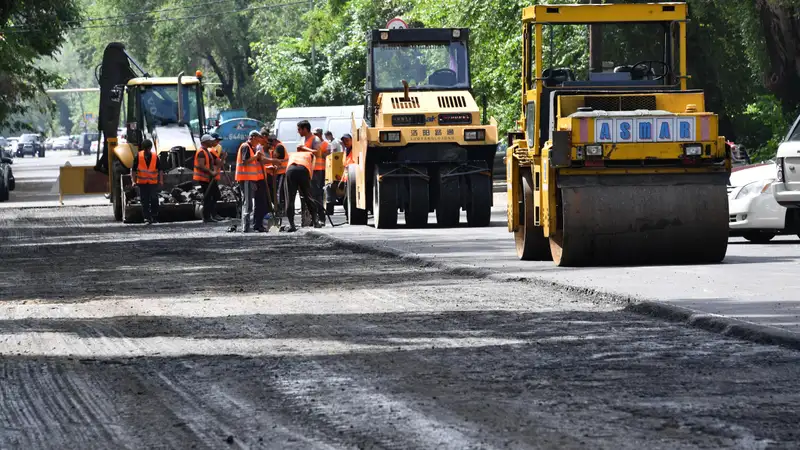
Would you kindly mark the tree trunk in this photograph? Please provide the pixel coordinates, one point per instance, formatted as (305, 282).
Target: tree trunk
(781, 25)
(225, 79)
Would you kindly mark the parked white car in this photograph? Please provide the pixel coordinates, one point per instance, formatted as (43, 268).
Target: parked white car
(754, 212)
(787, 186)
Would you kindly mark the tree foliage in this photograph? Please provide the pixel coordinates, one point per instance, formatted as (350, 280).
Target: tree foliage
(29, 31)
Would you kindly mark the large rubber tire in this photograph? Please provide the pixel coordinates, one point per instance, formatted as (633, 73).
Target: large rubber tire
(758, 237)
(448, 208)
(384, 201)
(5, 187)
(419, 204)
(530, 240)
(355, 216)
(479, 210)
(12, 182)
(116, 195)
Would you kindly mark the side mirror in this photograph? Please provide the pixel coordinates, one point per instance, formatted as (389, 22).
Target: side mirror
(219, 92)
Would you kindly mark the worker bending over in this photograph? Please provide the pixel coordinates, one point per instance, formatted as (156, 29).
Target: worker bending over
(146, 174)
(207, 168)
(298, 175)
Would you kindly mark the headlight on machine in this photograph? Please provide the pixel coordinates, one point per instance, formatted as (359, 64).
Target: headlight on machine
(390, 136)
(594, 150)
(693, 150)
(779, 169)
(474, 135)
(753, 189)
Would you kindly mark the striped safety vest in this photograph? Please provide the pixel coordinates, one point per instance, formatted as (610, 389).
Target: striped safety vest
(348, 160)
(146, 173)
(319, 164)
(197, 174)
(247, 172)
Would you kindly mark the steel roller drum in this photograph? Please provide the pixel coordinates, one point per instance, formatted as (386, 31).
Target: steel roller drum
(642, 219)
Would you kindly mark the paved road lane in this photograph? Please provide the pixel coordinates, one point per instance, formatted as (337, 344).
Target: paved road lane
(757, 283)
(37, 180)
(183, 336)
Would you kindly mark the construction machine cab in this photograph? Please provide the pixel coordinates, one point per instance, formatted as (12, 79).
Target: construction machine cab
(424, 59)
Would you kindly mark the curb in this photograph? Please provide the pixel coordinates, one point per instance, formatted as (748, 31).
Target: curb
(726, 326)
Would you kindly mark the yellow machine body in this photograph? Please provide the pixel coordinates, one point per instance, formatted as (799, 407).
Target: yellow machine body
(609, 172)
(422, 146)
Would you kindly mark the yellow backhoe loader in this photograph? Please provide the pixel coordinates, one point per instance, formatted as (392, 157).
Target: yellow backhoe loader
(168, 111)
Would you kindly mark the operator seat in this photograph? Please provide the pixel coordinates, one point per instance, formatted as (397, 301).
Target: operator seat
(443, 78)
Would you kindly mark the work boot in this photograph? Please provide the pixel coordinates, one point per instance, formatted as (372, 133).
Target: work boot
(217, 217)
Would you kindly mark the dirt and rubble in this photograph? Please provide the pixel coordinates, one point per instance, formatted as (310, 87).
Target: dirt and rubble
(184, 336)
(187, 192)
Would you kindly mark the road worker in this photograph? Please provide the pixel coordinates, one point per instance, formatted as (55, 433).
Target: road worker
(347, 146)
(207, 170)
(298, 175)
(146, 174)
(250, 175)
(334, 145)
(318, 179)
(278, 151)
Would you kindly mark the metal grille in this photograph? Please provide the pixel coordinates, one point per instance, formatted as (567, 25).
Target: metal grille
(398, 103)
(621, 103)
(452, 101)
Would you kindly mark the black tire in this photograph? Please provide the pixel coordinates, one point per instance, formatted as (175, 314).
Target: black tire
(116, 195)
(530, 240)
(758, 237)
(419, 204)
(479, 210)
(355, 216)
(5, 189)
(12, 182)
(448, 208)
(384, 201)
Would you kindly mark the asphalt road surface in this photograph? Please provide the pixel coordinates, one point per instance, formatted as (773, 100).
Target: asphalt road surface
(37, 180)
(755, 283)
(184, 336)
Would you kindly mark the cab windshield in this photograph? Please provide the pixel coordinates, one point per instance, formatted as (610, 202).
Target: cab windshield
(160, 105)
(424, 66)
(631, 54)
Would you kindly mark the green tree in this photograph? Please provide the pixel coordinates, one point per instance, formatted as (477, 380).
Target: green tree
(29, 30)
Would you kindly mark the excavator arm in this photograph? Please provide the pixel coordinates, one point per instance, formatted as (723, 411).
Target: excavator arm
(112, 74)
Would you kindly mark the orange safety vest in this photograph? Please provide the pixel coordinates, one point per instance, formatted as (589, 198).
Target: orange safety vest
(146, 173)
(217, 153)
(247, 172)
(348, 160)
(199, 175)
(281, 169)
(302, 159)
(320, 162)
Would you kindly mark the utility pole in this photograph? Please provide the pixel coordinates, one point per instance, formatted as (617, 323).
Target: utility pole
(595, 44)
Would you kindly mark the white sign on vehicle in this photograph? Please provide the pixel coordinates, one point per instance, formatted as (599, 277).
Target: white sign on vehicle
(651, 129)
(397, 24)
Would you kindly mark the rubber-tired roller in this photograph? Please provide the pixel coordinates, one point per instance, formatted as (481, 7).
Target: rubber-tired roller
(624, 166)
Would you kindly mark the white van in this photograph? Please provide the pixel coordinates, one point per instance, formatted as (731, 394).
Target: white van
(335, 119)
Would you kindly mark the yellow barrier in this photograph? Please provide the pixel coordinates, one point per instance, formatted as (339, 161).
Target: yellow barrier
(80, 180)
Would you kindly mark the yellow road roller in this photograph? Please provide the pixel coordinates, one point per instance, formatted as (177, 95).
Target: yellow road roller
(616, 161)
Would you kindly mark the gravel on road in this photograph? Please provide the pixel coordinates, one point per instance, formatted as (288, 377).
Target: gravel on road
(184, 336)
